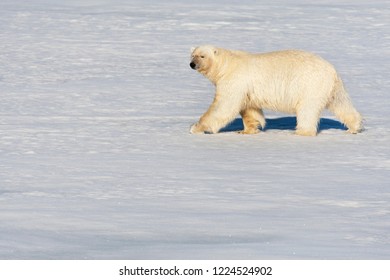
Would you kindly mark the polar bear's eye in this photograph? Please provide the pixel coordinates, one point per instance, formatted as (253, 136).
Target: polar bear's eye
(202, 56)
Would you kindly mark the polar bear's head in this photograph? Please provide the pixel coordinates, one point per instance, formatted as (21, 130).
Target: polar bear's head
(202, 58)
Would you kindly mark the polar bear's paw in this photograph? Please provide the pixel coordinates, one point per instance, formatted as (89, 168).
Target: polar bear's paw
(249, 131)
(355, 131)
(198, 128)
(303, 132)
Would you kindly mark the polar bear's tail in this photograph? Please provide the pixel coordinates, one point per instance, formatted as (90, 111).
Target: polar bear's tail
(342, 107)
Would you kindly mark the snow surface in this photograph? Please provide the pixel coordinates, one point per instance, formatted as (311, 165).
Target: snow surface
(96, 159)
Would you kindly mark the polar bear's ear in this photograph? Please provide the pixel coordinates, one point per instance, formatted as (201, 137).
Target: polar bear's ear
(216, 51)
(192, 49)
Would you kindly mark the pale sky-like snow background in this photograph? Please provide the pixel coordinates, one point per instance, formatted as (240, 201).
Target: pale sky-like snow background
(96, 159)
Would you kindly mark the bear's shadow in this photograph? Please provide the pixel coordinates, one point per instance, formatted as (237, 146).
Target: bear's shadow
(285, 123)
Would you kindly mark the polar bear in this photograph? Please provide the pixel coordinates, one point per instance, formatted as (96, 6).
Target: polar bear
(290, 81)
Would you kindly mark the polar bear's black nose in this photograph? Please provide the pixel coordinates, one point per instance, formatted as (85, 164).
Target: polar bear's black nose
(192, 65)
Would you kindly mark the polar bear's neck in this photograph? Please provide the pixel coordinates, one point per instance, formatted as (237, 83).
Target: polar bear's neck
(223, 64)
(213, 74)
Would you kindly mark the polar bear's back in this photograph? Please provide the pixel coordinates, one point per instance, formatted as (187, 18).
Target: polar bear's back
(280, 80)
(289, 60)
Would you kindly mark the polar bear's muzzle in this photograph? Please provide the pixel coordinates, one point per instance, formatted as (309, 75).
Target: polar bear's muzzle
(193, 65)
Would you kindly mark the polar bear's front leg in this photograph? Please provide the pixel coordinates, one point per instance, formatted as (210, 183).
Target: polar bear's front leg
(252, 119)
(221, 112)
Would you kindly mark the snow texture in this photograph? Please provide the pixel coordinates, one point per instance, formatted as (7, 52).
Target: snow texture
(96, 159)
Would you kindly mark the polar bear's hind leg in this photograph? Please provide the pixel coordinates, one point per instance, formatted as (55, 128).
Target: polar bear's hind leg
(343, 109)
(308, 117)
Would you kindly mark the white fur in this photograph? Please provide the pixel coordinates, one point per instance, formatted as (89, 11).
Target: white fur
(295, 82)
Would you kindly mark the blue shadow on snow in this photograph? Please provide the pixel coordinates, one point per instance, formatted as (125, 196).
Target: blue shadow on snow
(285, 123)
